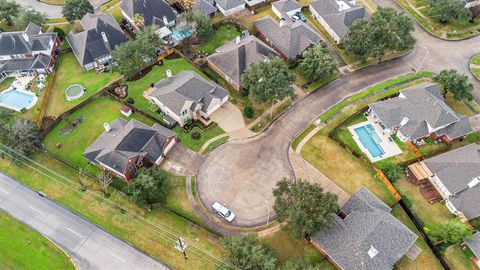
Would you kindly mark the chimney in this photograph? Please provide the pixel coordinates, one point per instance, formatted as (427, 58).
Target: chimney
(107, 127)
(282, 22)
(25, 36)
(237, 40)
(165, 20)
(169, 73)
(104, 37)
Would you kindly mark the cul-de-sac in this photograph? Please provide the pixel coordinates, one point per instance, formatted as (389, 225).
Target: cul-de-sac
(240, 134)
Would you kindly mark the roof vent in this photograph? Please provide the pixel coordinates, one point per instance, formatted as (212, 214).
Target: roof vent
(474, 182)
(282, 22)
(104, 37)
(372, 252)
(169, 73)
(165, 20)
(237, 40)
(107, 127)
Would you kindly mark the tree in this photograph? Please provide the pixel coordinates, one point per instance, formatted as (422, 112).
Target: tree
(317, 63)
(456, 83)
(22, 136)
(27, 16)
(75, 9)
(393, 171)
(246, 253)
(134, 55)
(445, 10)
(300, 264)
(268, 80)
(452, 232)
(387, 30)
(149, 184)
(187, 4)
(8, 11)
(304, 207)
(199, 23)
(105, 179)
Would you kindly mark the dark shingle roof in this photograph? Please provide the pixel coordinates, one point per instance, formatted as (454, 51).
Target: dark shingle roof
(125, 140)
(368, 228)
(421, 104)
(292, 39)
(474, 244)
(152, 11)
(187, 85)
(456, 169)
(89, 44)
(233, 59)
(339, 20)
(15, 42)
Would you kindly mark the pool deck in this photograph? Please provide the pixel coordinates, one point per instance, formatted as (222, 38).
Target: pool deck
(20, 85)
(389, 147)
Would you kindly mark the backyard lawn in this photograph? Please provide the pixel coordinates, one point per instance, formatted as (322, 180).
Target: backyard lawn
(23, 248)
(5, 84)
(223, 34)
(69, 72)
(73, 145)
(457, 258)
(136, 88)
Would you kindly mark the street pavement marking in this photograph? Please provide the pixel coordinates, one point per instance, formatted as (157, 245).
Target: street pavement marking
(4, 191)
(36, 210)
(120, 259)
(73, 232)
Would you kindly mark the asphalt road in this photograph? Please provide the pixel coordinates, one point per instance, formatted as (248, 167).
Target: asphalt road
(242, 174)
(89, 246)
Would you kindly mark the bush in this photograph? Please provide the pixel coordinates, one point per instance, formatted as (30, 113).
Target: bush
(393, 172)
(196, 135)
(244, 92)
(130, 101)
(248, 111)
(60, 32)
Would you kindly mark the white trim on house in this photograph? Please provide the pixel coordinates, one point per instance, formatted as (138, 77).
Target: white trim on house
(232, 10)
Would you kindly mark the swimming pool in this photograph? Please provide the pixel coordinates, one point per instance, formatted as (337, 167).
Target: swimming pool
(370, 140)
(181, 35)
(17, 100)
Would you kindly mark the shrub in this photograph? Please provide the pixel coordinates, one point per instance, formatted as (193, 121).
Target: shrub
(248, 111)
(60, 32)
(393, 172)
(130, 101)
(196, 135)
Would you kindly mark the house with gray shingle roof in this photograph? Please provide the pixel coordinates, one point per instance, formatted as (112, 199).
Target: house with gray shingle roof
(186, 96)
(126, 146)
(28, 51)
(336, 16)
(474, 244)
(205, 7)
(93, 46)
(285, 9)
(228, 7)
(455, 175)
(152, 12)
(419, 112)
(365, 235)
(233, 58)
(290, 39)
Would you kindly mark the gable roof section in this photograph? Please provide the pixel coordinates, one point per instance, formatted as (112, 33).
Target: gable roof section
(233, 59)
(474, 244)
(205, 7)
(456, 169)
(284, 6)
(126, 140)
(15, 43)
(339, 21)
(89, 44)
(421, 104)
(152, 11)
(187, 85)
(368, 226)
(229, 4)
(292, 39)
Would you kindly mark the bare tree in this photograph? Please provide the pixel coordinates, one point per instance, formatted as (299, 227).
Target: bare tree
(82, 177)
(105, 179)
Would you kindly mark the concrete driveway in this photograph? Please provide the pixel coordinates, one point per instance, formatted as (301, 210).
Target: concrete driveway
(475, 122)
(182, 161)
(228, 117)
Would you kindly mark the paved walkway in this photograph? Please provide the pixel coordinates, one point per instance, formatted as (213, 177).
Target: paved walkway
(306, 139)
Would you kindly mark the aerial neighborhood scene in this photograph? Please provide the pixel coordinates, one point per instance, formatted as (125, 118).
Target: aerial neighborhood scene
(240, 134)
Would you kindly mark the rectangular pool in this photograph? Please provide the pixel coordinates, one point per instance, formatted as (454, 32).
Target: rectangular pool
(370, 140)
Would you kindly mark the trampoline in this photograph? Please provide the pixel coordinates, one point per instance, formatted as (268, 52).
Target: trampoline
(74, 92)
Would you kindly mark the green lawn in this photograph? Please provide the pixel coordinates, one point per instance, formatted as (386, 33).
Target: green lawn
(136, 88)
(215, 144)
(195, 145)
(457, 258)
(23, 248)
(475, 66)
(475, 60)
(74, 144)
(223, 34)
(177, 199)
(69, 72)
(6, 83)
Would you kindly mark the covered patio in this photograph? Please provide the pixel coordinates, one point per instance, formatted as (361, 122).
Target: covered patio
(419, 174)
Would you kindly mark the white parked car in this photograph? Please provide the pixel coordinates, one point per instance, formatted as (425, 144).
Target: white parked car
(223, 211)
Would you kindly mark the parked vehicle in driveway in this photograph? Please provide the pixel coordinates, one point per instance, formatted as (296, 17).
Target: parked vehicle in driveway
(223, 211)
(299, 17)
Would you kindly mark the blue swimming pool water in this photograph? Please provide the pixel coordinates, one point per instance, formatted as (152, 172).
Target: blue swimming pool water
(181, 35)
(370, 140)
(17, 99)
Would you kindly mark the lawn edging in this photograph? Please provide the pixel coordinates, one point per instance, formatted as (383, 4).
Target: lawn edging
(475, 74)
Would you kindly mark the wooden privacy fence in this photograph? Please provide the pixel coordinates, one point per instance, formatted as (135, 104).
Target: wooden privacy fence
(387, 183)
(414, 149)
(43, 109)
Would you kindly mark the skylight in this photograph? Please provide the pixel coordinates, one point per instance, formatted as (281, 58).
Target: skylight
(372, 252)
